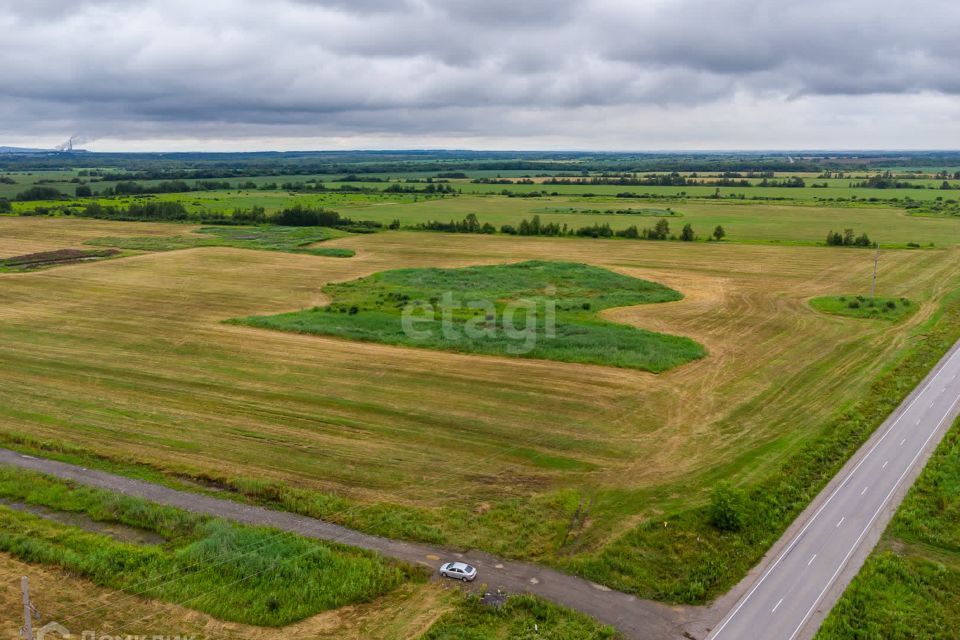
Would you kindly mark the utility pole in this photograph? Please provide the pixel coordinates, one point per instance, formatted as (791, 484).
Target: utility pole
(27, 632)
(876, 261)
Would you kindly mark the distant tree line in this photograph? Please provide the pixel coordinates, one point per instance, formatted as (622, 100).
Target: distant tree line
(537, 227)
(41, 193)
(171, 211)
(167, 186)
(652, 180)
(149, 211)
(848, 239)
(430, 188)
(886, 180)
(470, 224)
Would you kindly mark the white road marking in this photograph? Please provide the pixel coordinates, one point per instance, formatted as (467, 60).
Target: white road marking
(873, 519)
(841, 520)
(810, 561)
(885, 463)
(864, 490)
(783, 554)
(776, 606)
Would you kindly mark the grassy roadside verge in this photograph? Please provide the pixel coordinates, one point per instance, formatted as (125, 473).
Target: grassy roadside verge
(242, 574)
(235, 573)
(519, 617)
(695, 555)
(909, 587)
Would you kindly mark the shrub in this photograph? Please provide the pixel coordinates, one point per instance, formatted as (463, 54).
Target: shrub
(727, 509)
(40, 193)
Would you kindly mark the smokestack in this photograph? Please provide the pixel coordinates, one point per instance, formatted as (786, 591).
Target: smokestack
(77, 138)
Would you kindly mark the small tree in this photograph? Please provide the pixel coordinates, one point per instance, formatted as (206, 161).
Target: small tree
(687, 234)
(84, 191)
(727, 508)
(661, 230)
(719, 233)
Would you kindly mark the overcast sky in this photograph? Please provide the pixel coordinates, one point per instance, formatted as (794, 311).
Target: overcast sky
(484, 74)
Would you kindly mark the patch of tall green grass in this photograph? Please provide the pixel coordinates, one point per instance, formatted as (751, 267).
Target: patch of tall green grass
(372, 309)
(521, 616)
(859, 306)
(235, 573)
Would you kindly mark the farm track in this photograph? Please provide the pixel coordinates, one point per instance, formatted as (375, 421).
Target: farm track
(636, 618)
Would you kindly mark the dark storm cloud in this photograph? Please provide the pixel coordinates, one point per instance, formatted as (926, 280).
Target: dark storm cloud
(454, 68)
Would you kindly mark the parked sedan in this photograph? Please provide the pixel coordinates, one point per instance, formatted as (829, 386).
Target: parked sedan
(458, 571)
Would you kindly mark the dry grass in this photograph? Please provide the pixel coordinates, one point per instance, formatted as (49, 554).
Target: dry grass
(81, 605)
(128, 358)
(19, 236)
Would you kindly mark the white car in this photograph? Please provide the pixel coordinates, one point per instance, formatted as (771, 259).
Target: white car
(458, 571)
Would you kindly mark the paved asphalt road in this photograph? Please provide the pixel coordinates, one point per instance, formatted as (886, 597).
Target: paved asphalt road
(803, 582)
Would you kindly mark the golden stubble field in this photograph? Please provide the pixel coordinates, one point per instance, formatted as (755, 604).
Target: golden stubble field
(128, 358)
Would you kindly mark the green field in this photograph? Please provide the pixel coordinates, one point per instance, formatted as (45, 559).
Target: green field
(234, 573)
(764, 214)
(776, 223)
(532, 309)
(860, 306)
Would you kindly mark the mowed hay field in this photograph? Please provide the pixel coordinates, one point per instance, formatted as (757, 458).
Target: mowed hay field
(20, 236)
(129, 359)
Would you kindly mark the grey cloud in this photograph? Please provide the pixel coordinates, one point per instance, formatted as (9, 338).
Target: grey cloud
(456, 67)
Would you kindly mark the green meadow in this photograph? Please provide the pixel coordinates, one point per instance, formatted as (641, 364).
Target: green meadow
(861, 306)
(532, 309)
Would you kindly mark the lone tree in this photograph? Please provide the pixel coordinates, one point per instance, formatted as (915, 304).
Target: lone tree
(719, 233)
(687, 235)
(661, 230)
